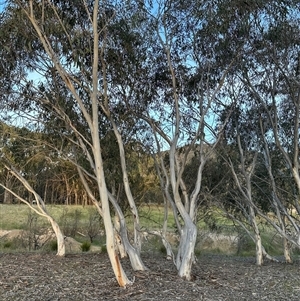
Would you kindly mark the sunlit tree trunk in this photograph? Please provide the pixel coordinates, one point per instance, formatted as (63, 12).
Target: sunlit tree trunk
(166, 244)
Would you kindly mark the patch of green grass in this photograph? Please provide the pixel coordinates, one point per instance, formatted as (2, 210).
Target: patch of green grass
(152, 217)
(14, 216)
(270, 240)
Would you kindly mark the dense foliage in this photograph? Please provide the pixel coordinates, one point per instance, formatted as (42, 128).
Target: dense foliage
(196, 105)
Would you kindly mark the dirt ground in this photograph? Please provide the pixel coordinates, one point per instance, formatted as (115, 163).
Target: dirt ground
(87, 276)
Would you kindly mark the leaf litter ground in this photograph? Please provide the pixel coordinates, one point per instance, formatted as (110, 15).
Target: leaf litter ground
(77, 277)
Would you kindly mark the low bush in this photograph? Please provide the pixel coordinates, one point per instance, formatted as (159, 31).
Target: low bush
(53, 245)
(85, 246)
(7, 245)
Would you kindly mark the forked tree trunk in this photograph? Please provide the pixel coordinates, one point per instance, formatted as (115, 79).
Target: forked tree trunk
(110, 239)
(92, 118)
(109, 231)
(133, 208)
(134, 256)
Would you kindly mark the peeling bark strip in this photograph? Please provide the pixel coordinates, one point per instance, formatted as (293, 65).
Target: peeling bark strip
(119, 274)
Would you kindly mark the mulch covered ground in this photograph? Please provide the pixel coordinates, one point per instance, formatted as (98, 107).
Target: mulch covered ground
(80, 277)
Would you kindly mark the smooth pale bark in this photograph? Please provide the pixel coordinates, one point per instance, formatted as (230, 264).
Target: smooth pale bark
(98, 162)
(92, 119)
(258, 242)
(185, 255)
(115, 262)
(277, 203)
(243, 225)
(246, 191)
(134, 256)
(133, 208)
(40, 209)
(109, 231)
(61, 247)
(292, 162)
(118, 238)
(185, 202)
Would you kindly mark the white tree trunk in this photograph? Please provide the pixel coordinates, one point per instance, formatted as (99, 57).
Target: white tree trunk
(118, 238)
(133, 208)
(61, 248)
(185, 255)
(91, 114)
(258, 242)
(134, 256)
(259, 250)
(109, 230)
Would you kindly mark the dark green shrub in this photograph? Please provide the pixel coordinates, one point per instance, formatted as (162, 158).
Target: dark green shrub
(7, 245)
(85, 246)
(53, 245)
(162, 249)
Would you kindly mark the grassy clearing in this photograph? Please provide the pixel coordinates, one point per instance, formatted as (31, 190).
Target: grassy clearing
(84, 224)
(152, 217)
(15, 216)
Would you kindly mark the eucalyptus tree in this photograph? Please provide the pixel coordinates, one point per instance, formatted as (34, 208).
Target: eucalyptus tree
(242, 133)
(182, 92)
(17, 157)
(272, 78)
(68, 46)
(267, 73)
